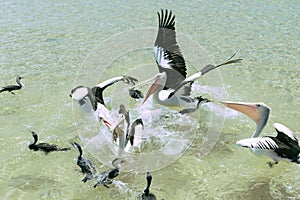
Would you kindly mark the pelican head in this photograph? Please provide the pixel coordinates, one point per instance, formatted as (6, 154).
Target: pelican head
(258, 112)
(158, 84)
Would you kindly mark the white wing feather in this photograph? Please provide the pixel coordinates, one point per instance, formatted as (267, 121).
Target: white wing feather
(258, 143)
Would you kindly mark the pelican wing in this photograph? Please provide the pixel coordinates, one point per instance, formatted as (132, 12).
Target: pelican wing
(284, 133)
(167, 52)
(98, 89)
(264, 143)
(203, 71)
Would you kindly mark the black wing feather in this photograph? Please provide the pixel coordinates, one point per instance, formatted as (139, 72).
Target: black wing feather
(168, 49)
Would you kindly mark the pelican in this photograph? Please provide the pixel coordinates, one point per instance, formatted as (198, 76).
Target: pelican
(45, 147)
(135, 135)
(146, 194)
(86, 165)
(171, 87)
(11, 88)
(118, 134)
(91, 100)
(125, 112)
(284, 146)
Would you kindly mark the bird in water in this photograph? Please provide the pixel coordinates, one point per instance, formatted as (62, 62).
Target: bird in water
(11, 88)
(44, 146)
(136, 94)
(86, 165)
(284, 146)
(200, 100)
(146, 194)
(106, 177)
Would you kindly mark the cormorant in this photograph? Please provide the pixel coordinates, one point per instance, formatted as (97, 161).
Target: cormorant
(11, 88)
(44, 146)
(86, 165)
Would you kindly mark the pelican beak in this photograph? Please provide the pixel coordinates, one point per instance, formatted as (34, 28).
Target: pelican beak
(106, 123)
(153, 88)
(249, 109)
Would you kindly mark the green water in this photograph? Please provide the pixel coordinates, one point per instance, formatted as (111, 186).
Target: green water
(47, 42)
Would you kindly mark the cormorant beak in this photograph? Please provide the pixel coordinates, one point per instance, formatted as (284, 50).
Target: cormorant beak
(153, 88)
(249, 109)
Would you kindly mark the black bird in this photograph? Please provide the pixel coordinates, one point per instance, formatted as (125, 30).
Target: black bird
(44, 146)
(136, 94)
(86, 165)
(11, 88)
(147, 195)
(106, 177)
(200, 100)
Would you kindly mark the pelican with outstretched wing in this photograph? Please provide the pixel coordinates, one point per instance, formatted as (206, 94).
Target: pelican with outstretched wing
(171, 85)
(284, 146)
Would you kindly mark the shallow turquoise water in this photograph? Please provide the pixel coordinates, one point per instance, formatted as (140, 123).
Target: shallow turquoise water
(48, 42)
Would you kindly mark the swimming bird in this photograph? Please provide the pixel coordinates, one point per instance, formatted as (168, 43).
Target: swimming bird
(44, 146)
(200, 100)
(91, 100)
(171, 87)
(136, 94)
(106, 177)
(11, 88)
(86, 165)
(146, 194)
(284, 146)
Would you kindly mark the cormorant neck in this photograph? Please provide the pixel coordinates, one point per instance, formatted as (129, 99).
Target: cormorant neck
(35, 138)
(80, 150)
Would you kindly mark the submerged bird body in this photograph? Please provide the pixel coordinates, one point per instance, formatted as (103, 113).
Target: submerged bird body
(45, 147)
(11, 88)
(106, 177)
(86, 165)
(283, 146)
(200, 100)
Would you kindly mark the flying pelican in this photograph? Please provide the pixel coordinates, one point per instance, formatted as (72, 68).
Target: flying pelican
(11, 88)
(45, 147)
(284, 146)
(86, 165)
(91, 100)
(171, 78)
(146, 194)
